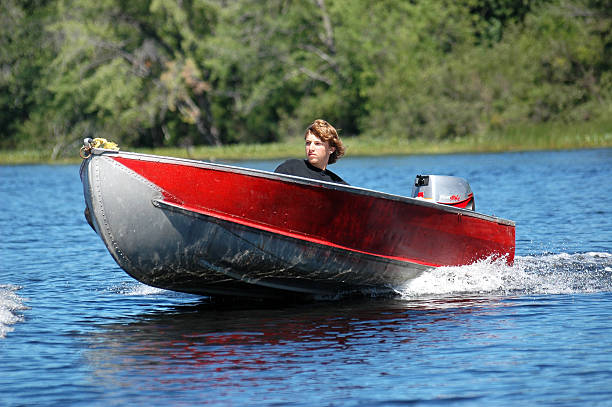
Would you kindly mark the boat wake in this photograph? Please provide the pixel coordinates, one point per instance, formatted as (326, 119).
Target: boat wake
(10, 306)
(543, 274)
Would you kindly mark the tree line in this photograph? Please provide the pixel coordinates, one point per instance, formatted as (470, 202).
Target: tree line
(192, 72)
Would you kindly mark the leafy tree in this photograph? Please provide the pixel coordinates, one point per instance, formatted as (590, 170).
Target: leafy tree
(24, 53)
(279, 65)
(414, 40)
(491, 17)
(130, 70)
(553, 65)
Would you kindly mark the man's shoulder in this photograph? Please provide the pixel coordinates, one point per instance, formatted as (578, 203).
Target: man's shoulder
(302, 168)
(336, 178)
(291, 164)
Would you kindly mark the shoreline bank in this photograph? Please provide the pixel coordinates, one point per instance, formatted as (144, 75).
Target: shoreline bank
(520, 140)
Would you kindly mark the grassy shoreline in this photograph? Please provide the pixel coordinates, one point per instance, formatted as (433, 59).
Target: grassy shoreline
(540, 137)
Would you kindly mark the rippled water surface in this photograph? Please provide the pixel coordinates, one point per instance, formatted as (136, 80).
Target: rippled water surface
(76, 330)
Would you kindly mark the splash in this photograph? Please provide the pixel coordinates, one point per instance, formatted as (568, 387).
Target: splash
(137, 289)
(10, 305)
(544, 274)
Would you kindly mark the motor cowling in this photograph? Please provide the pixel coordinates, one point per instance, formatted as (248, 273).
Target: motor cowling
(444, 189)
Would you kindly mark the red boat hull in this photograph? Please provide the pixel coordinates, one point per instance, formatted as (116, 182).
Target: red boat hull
(291, 220)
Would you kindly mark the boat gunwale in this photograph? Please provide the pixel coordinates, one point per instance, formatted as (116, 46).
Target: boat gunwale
(300, 180)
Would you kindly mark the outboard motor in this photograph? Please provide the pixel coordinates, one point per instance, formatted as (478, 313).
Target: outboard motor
(444, 189)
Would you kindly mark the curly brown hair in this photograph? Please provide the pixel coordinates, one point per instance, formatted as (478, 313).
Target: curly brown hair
(326, 132)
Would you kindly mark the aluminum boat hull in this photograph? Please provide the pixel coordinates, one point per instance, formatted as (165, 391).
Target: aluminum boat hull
(219, 230)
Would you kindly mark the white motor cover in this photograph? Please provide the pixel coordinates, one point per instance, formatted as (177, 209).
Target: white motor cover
(444, 189)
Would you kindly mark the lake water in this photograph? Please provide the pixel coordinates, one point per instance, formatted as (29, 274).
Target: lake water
(76, 330)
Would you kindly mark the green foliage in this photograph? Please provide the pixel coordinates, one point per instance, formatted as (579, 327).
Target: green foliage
(277, 68)
(210, 72)
(24, 52)
(128, 71)
(550, 67)
(491, 17)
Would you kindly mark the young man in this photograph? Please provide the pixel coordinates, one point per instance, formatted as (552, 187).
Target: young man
(323, 147)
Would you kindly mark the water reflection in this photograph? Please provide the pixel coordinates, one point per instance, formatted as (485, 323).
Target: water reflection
(188, 346)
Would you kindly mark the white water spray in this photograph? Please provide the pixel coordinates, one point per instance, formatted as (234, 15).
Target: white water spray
(10, 306)
(545, 274)
(137, 289)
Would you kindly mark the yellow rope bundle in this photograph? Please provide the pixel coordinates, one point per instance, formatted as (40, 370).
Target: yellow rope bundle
(98, 142)
(104, 143)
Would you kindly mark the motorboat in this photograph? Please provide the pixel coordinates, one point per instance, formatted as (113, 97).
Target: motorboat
(226, 231)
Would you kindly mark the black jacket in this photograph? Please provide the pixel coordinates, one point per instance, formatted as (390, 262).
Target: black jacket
(302, 168)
